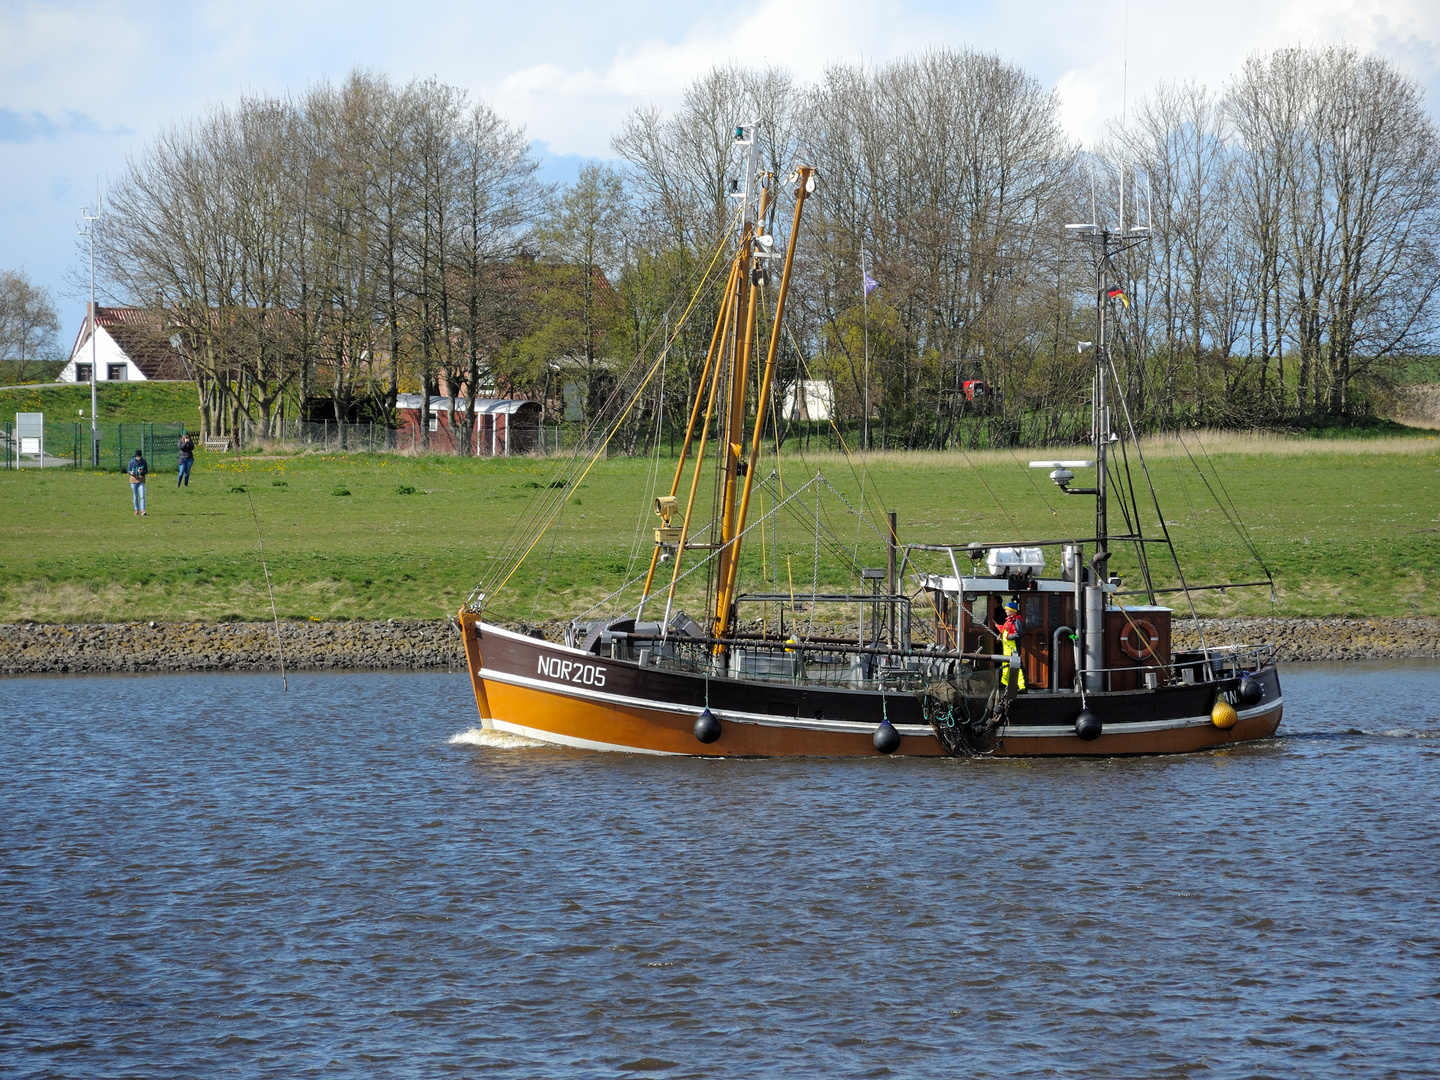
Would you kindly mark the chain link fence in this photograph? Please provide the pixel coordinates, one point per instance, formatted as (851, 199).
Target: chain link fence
(68, 444)
(327, 435)
(333, 436)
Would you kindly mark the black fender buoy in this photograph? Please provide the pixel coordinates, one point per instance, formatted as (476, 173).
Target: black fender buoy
(1088, 726)
(886, 738)
(707, 728)
(1250, 691)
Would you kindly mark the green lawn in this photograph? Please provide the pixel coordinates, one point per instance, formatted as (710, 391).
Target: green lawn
(1347, 528)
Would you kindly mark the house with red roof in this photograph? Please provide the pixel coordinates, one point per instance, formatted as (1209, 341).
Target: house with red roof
(130, 345)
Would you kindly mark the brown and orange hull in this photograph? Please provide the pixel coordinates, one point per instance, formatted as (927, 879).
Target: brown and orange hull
(535, 688)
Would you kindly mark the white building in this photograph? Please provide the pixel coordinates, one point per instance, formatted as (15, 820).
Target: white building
(809, 399)
(130, 346)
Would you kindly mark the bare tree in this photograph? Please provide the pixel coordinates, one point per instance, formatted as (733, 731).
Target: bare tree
(496, 195)
(950, 172)
(28, 322)
(583, 230)
(1343, 199)
(1195, 300)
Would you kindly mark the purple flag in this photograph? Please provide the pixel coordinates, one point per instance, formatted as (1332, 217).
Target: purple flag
(870, 283)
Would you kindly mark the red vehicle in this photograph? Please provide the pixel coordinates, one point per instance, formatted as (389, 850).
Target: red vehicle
(975, 390)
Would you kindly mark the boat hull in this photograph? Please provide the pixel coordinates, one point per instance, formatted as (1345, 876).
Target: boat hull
(546, 691)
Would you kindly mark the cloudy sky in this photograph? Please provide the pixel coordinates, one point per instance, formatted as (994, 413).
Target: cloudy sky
(82, 85)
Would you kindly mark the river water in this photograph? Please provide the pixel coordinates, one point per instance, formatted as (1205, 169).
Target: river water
(200, 876)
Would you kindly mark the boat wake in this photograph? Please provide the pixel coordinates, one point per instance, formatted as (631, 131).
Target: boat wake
(1396, 733)
(1369, 733)
(493, 740)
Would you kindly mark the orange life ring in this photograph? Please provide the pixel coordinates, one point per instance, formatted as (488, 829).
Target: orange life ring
(1139, 650)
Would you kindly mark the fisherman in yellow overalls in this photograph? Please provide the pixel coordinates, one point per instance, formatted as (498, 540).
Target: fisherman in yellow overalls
(1009, 632)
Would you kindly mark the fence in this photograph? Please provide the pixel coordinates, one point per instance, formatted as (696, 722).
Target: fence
(336, 437)
(329, 435)
(68, 445)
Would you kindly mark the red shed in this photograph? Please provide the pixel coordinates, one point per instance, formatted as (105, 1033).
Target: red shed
(504, 426)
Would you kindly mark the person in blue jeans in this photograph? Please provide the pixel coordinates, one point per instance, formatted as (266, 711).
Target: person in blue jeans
(187, 459)
(138, 470)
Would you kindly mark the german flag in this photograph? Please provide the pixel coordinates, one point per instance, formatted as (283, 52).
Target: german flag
(1117, 293)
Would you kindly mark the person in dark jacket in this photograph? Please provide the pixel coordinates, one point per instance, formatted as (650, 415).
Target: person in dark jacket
(138, 470)
(187, 459)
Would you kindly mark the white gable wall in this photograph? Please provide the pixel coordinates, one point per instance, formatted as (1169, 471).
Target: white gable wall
(107, 352)
(809, 399)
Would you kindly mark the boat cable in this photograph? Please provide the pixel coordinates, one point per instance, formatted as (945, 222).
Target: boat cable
(1119, 473)
(758, 522)
(544, 569)
(1235, 522)
(1029, 473)
(652, 475)
(1136, 528)
(549, 509)
(543, 509)
(865, 468)
(784, 500)
(1159, 514)
(814, 566)
(274, 614)
(859, 477)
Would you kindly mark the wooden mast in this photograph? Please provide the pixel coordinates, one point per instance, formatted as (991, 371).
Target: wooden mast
(731, 463)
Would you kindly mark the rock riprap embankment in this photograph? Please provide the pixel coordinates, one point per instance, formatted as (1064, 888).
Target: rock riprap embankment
(434, 645)
(412, 645)
(1321, 639)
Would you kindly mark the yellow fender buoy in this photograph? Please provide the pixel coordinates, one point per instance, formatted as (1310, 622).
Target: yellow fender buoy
(1223, 715)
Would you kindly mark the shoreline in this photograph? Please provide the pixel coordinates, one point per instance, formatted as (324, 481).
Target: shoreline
(434, 644)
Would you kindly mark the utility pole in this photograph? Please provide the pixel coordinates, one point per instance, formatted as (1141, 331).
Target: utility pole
(88, 229)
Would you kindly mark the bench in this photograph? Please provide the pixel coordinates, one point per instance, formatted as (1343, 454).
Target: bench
(221, 446)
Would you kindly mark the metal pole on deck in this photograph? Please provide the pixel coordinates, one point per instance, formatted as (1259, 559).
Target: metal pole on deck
(892, 583)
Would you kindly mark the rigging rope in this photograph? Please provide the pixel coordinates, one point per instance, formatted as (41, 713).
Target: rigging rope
(548, 508)
(274, 614)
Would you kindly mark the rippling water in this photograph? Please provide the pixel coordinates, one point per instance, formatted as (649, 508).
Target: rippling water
(200, 876)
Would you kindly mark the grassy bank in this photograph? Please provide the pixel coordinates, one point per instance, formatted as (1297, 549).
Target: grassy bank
(33, 371)
(119, 402)
(1347, 527)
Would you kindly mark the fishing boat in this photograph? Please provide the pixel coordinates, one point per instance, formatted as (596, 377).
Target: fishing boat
(910, 659)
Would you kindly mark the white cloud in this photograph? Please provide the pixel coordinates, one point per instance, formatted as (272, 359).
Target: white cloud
(1209, 44)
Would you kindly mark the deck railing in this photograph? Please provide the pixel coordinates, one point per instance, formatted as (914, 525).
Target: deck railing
(860, 666)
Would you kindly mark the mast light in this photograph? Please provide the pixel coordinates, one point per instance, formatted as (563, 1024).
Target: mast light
(1062, 472)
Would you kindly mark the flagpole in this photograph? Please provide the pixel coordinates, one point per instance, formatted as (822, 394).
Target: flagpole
(865, 294)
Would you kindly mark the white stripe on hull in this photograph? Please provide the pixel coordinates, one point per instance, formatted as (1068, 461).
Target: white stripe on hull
(541, 735)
